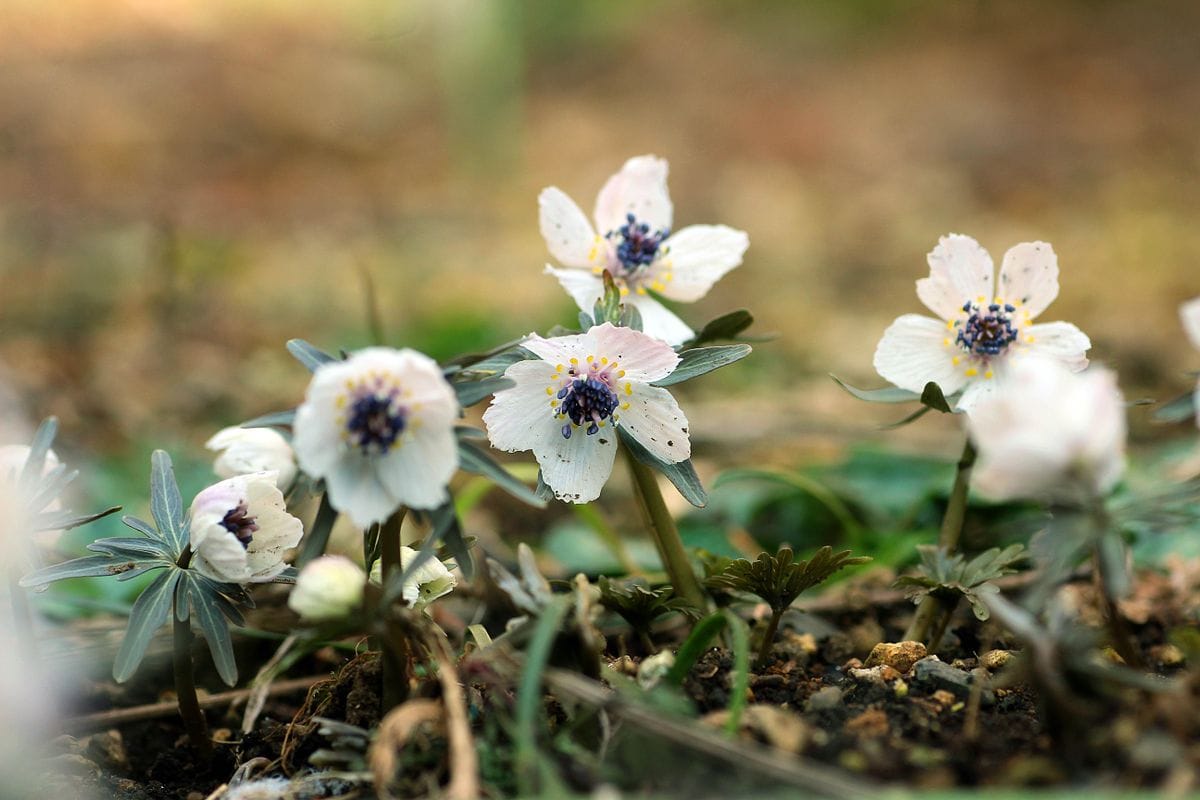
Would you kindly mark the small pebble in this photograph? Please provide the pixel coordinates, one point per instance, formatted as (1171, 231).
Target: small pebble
(824, 699)
(900, 656)
(995, 659)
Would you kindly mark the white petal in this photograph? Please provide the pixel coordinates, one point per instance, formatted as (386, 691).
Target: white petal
(640, 188)
(1058, 340)
(556, 350)
(697, 257)
(520, 417)
(980, 389)
(1029, 277)
(915, 350)
(577, 468)
(584, 286)
(960, 271)
(1189, 312)
(221, 556)
(316, 434)
(641, 357)
(416, 472)
(567, 231)
(246, 450)
(656, 421)
(355, 489)
(658, 322)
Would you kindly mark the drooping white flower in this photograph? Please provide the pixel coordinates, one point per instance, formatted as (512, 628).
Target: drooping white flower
(566, 404)
(379, 428)
(329, 587)
(1189, 313)
(633, 241)
(240, 529)
(982, 328)
(431, 580)
(245, 450)
(1049, 433)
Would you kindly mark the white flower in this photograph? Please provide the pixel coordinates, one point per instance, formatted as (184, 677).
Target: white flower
(633, 241)
(379, 428)
(245, 450)
(1049, 433)
(981, 330)
(329, 587)
(1189, 312)
(12, 464)
(240, 529)
(428, 582)
(566, 405)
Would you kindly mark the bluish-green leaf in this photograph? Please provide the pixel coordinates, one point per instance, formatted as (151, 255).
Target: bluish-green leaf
(682, 474)
(51, 485)
(467, 432)
(87, 567)
(700, 360)
(206, 611)
(631, 317)
(608, 307)
(276, 419)
(141, 526)
(136, 546)
(471, 392)
(724, 327)
(888, 394)
(35, 461)
(1181, 409)
(933, 397)
(308, 355)
(66, 520)
(317, 539)
(585, 321)
(476, 460)
(446, 530)
(500, 361)
(148, 615)
(166, 504)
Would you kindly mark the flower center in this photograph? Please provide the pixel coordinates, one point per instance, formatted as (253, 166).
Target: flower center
(239, 522)
(987, 331)
(375, 422)
(637, 246)
(587, 395)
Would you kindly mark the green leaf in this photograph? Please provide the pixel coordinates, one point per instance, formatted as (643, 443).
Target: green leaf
(317, 539)
(888, 394)
(779, 579)
(276, 419)
(726, 326)
(88, 567)
(206, 610)
(682, 473)
(801, 482)
(135, 546)
(141, 526)
(630, 317)
(1181, 409)
(148, 615)
(529, 693)
(478, 461)
(913, 417)
(608, 307)
(446, 530)
(471, 392)
(166, 504)
(700, 360)
(585, 321)
(66, 520)
(740, 674)
(932, 397)
(640, 605)
(35, 461)
(308, 355)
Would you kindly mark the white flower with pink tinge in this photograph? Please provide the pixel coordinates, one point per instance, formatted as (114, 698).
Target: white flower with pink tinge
(1049, 433)
(1189, 313)
(633, 242)
(240, 529)
(982, 327)
(565, 406)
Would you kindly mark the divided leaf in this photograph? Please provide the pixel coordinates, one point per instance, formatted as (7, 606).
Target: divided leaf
(778, 579)
(639, 605)
(953, 576)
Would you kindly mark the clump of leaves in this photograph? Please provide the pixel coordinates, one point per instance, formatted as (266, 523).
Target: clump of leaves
(779, 579)
(640, 605)
(951, 578)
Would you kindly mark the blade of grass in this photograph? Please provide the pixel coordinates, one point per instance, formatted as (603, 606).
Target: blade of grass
(529, 693)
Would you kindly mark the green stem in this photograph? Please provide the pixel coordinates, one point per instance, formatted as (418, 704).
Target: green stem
(394, 647)
(931, 609)
(764, 649)
(185, 688)
(1118, 630)
(665, 534)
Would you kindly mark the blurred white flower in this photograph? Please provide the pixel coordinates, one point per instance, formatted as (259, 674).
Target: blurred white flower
(1189, 313)
(12, 463)
(379, 428)
(635, 245)
(980, 330)
(428, 582)
(1049, 433)
(240, 529)
(565, 406)
(245, 450)
(329, 587)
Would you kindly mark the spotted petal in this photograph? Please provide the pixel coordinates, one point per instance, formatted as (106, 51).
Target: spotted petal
(697, 257)
(913, 352)
(1029, 277)
(567, 231)
(577, 468)
(640, 188)
(520, 417)
(1061, 341)
(657, 422)
(1189, 313)
(960, 271)
(641, 357)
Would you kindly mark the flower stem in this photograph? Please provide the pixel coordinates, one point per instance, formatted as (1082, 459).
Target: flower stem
(185, 688)
(665, 534)
(1118, 630)
(931, 608)
(764, 649)
(394, 645)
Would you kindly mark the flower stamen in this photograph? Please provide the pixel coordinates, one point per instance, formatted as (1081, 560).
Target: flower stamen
(239, 522)
(988, 330)
(637, 246)
(587, 397)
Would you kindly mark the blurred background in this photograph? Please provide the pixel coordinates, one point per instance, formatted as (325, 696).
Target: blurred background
(185, 185)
